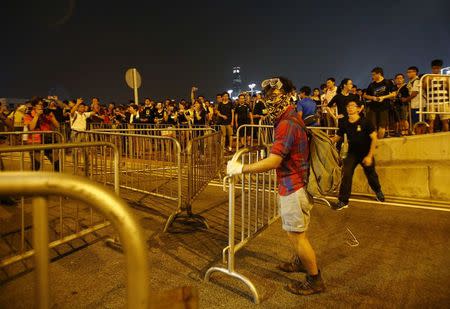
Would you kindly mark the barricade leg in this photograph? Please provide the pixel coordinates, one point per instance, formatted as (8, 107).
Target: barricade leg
(230, 271)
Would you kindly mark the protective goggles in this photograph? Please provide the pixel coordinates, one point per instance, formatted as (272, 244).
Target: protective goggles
(273, 83)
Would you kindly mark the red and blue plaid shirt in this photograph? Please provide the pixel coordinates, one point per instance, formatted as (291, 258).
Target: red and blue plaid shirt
(291, 143)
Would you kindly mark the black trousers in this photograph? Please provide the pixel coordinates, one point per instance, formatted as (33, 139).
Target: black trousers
(350, 163)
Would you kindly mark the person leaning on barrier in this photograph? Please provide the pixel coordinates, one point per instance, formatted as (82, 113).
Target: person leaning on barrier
(289, 156)
(437, 92)
(362, 139)
(40, 119)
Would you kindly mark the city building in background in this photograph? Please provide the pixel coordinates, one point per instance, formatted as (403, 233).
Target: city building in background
(237, 81)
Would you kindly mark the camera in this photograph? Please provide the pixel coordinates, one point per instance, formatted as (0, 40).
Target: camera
(47, 111)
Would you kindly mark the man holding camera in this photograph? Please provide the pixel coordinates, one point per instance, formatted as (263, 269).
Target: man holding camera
(41, 119)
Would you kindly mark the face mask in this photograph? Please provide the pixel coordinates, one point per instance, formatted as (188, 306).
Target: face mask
(276, 106)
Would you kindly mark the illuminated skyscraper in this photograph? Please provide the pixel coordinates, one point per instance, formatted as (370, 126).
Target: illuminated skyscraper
(237, 82)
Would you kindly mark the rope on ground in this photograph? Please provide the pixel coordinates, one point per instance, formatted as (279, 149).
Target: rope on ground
(353, 242)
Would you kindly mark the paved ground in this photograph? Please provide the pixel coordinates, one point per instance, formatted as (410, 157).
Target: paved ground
(402, 261)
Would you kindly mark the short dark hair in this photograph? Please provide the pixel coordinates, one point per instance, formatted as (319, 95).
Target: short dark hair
(358, 103)
(306, 90)
(331, 79)
(287, 87)
(399, 74)
(225, 93)
(378, 70)
(437, 63)
(35, 101)
(323, 86)
(218, 95)
(413, 69)
(241, 95)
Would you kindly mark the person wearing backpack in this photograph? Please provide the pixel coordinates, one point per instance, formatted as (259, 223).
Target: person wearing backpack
(362, 139)
(290, 157)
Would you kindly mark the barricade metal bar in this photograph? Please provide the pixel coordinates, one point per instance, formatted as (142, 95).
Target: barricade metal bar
(77, 232)
(40, 245)
(150, 164)
(252, 221)
(165, 160)
(111, 206)
(265, 134)
(204, 160)
(27, 137)
(434, 95)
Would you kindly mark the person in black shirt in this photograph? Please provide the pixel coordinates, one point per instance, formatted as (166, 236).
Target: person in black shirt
(171, 116)
(199, 118)
(380, 92)
(401, 108)
(158, 113)
(243, 116)
(225, 112)
(341, 99)
(260, 110)
(362, 140)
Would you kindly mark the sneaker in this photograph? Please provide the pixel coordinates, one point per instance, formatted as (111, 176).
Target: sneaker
(380, 197)
(295, 266)
(339, 205)
(309, 287)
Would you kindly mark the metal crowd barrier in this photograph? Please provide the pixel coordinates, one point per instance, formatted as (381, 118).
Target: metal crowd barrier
(39, 186)
(159, 166)
(255, 209)
(183, 135)
(250, 135)
(434, 95)
(30, 138)
(69, 222)
(102, 126)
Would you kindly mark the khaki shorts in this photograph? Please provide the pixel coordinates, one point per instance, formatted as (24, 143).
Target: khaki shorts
(295, 209)
(226, 130)
(439, 108)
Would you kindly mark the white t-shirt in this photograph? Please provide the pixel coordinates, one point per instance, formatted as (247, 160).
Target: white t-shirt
(413, 85)
(329, 94)
(78, 121)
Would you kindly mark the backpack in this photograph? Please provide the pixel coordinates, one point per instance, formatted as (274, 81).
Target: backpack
(325, 164)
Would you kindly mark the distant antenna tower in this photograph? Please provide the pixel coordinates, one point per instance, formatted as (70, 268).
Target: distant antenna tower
(237, 81)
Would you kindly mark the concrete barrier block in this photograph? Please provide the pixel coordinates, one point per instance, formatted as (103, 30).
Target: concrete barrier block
(402, 181)
(440, 182)
(418, 148)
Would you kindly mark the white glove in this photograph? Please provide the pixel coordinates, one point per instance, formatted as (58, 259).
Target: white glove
(234, 168)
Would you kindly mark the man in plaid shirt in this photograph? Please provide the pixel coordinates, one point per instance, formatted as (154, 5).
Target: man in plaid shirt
(289, 156)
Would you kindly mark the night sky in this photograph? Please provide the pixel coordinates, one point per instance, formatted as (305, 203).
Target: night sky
(83, 48)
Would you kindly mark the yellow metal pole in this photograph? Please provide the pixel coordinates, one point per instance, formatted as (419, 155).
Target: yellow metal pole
(40, 245)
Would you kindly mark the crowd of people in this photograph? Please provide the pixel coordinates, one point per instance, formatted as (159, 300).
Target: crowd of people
(391, 105)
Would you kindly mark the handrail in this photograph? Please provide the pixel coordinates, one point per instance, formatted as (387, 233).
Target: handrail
(39, 185)
(154, 129)
(35, 132)
(70, 146)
